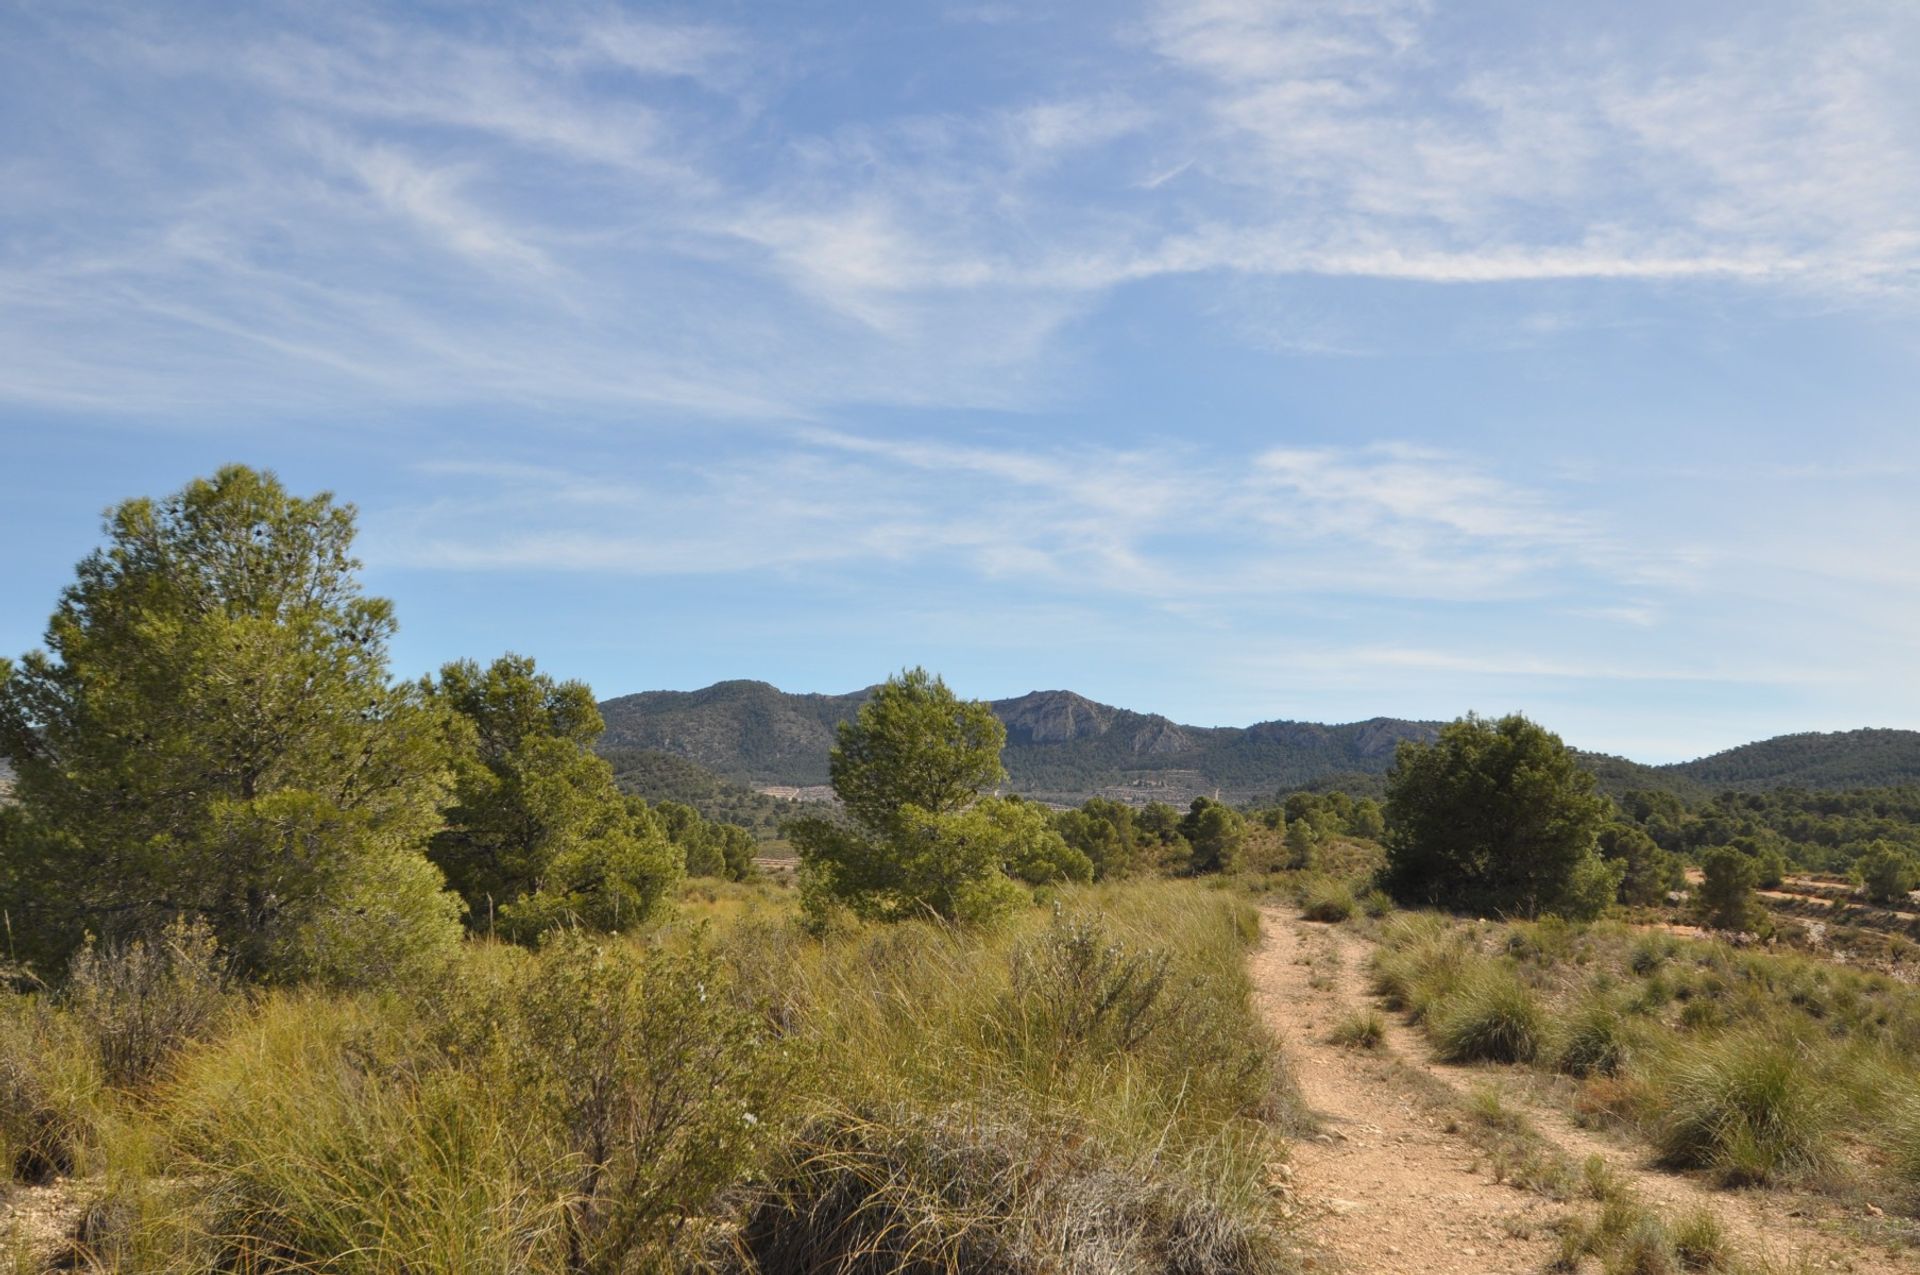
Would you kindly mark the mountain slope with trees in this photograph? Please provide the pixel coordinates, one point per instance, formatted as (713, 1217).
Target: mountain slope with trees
(1066, 747)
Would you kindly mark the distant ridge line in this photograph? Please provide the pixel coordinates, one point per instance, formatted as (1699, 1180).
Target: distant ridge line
(1063, 746)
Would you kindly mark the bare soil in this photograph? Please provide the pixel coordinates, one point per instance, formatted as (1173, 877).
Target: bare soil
(1390, 1185)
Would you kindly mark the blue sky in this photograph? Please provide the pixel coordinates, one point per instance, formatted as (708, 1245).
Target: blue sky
(1225, 359)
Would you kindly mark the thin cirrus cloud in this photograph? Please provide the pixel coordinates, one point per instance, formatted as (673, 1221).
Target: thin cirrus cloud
(589, 207)
(1386, 521)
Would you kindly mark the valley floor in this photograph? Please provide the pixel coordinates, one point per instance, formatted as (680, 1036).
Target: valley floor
(1393, 1182)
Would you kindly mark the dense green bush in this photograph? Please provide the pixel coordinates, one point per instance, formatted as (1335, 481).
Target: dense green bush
(1726, 899)
(1496, 816)
(1887, 873)
(918, 839)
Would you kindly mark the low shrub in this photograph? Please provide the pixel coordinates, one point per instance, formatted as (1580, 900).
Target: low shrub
(967, 1189)
(1077, 989)
(1594, 1040)
(143, 1000)
(1748, 1107)
(1361, 1029)
(578, 1108)
(1490, 1016)
(1701, 1243)
(1328, 900)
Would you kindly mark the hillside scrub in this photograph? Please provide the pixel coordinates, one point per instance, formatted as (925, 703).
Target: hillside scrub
(1088, 1090)
(1755, 1067)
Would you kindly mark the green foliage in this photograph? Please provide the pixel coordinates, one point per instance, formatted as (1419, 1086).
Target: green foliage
(539, 834)
(1726, 898)
(1369, 820)
(956, 856)
(1494, 815)
(1158, 825)
(1648, 872)
(915, 744)
(1301, 840)
(658, 778)
(1750, 1108)
(957, 866)
(707, 849)
(1215, 833)
(211, 732)
(1104, 831)
(1887, 873)
(1490, 1016)
(1821, 831)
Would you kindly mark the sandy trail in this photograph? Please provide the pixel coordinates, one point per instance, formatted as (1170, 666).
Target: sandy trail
(1389, 1189)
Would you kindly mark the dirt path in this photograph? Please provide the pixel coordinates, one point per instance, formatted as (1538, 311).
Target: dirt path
(1390, 1189)
(1393, 1190)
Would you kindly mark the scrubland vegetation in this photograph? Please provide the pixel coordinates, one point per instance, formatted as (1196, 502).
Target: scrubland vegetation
(317, 970)
(1754, 1066)
(1083, 1089)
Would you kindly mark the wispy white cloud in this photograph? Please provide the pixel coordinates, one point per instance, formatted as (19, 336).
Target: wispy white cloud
(585, 206)
(1385, 521)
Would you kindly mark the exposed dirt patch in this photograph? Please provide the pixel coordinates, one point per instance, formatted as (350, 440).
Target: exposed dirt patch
(1394, 1190)
(36, 1222)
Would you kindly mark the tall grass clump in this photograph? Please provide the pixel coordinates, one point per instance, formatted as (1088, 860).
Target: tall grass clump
(1489, 1016)
(1361, 1029)
(1750, 1108)
(52, 1093)
(1418, 963)
(949, 1191)
(1328, 900)
(1595, 1038)
(1087, 1092)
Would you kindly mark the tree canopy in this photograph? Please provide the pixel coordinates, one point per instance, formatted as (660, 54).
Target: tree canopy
(211, 732)
(1496, 816)
(918, 838)
(539, 834)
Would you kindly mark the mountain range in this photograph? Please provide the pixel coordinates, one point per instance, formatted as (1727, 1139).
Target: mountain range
(1063, 747)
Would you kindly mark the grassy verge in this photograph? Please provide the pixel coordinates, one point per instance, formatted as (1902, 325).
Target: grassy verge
(1084, 1089)
(1755, 1067)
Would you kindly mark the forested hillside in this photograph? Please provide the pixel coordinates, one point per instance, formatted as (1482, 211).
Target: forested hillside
(1059, 745)
(659, 777)
(1065, 747)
